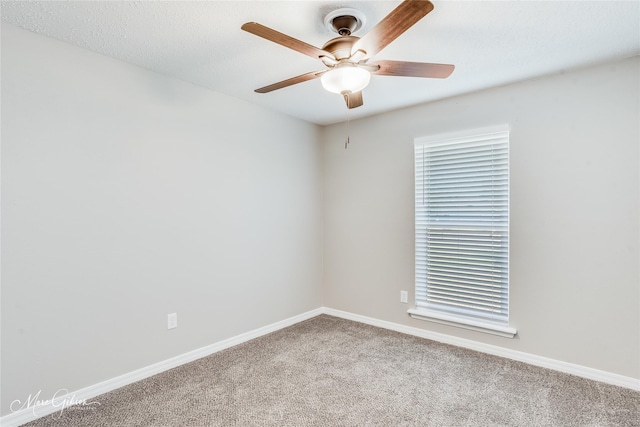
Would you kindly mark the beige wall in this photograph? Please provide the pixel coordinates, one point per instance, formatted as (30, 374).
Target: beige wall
(575, 285)
(126, 196)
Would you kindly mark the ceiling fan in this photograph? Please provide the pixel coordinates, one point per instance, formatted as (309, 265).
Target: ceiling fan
(347, 57)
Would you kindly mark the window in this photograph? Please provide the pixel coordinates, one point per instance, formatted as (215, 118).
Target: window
(462, 231)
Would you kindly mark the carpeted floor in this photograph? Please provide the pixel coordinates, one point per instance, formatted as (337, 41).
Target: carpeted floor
(333, 372)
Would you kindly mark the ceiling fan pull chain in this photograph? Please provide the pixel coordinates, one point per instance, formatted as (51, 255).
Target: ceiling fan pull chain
(346, 142)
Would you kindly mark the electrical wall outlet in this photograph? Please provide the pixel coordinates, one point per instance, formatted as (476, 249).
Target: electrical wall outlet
(404, 297)
(172, 321)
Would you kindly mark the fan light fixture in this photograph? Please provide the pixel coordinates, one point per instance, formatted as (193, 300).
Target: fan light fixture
(345, 77)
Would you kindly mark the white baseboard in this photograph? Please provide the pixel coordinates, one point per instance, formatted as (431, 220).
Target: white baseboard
(26, 415)
(532, 359)
(29, 414)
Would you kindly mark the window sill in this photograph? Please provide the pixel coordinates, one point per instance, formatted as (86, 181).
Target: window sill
(474, 325)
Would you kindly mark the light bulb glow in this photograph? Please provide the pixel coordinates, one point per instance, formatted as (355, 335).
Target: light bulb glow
(345, 78)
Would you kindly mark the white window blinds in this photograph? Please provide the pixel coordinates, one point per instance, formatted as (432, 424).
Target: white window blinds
(462, 226)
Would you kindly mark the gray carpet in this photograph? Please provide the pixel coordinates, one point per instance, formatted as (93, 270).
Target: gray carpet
(333, 372)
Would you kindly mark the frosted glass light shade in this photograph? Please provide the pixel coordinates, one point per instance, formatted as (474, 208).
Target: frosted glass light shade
(345, 79)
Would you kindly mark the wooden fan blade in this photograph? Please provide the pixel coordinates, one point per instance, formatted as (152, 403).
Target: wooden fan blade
(353, 100)
(392, 26)
(292, 81)
(285, 40)
(412, 69)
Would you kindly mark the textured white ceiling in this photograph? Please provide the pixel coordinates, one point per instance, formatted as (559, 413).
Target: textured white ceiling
(491, 43)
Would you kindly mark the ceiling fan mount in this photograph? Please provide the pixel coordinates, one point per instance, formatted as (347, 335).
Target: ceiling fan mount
(344, 21)
(347, 57)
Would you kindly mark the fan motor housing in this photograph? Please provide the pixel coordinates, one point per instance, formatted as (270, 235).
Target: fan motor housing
(340, 47)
